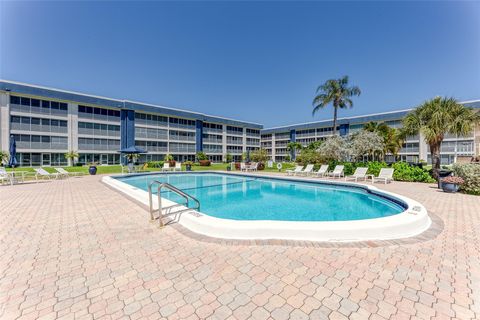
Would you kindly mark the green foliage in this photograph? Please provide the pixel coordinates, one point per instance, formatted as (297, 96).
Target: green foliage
(71, 155)
(470, 173)
(294, 146)
(405, 172)
(3, 156)
(201, 156)
(260, 155)
(155, 164)
(228, 158)
(168, 157)
(314, 145)
(308, 156)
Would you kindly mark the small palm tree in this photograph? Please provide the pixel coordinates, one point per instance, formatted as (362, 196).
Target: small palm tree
(3, 157)
(393, 138)
(437, 117)
(293, 147)
(338, 93)
(71, 156)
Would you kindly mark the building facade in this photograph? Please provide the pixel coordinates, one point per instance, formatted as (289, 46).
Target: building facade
(47, 123)
(453, 149)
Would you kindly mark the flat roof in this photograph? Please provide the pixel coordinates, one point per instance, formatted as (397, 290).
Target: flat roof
(65, 95)
(381, 116)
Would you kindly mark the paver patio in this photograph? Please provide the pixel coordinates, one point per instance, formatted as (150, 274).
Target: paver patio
(77, 249)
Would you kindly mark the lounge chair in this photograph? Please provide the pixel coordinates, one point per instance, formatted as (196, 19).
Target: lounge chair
(294, 171)
(4, 176)
(252, 167)
(40, 172)
(65, 173)
(322, 171)
(243, 166)
(178, 166)
(385, 175)
(308, 170)
(360, 173)
(337, 172)
(166, 167)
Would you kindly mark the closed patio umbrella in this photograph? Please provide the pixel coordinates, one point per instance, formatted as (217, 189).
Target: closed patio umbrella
(12, 162)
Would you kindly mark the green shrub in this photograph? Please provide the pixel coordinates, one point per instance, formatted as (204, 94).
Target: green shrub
(308, 156)
(405, 172)
(201, 156)
(155, 164)
(470, 173)
(375, 166)
(259, 155)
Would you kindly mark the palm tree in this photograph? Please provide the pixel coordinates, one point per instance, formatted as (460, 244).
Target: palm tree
(3, 157)
(393, 138)
(336, 92)
(71, 156)
(437, 117)
(293, 147)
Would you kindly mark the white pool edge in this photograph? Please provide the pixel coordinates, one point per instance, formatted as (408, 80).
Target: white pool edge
(413, 221)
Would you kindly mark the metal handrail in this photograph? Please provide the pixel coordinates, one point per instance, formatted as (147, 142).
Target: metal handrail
(172, 188)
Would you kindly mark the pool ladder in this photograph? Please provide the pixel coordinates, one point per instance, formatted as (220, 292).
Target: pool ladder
(160, 209)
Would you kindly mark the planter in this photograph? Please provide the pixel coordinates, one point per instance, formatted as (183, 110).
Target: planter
(229, 168)
(442, 173)
(188, 167)
(237, 165)
(450, 187)
(261, 166)
(92, 170)
(204, 163)
(172, 163)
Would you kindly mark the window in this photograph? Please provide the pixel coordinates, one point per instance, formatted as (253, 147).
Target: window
(35, 103)
(25, 101)
(15, 119)
(14, 100)
(54, 105)
(63, 106)
(33, 120)
(45, 139)
(45, 104)
(63, 123)
(54, 123)
(46, 122)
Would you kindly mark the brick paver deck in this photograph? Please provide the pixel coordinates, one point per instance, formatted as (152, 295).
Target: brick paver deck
(77, 249)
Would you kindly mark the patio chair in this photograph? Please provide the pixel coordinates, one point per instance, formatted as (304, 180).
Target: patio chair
(243, 166)
(385, 175)
(294, 171)
(360, 173)
(322, 171)
(252, 167)
(337, 172)
(308, 170)
(166, 167)
(65, 173)
(40, 172)
(4, 176)
(178, 166)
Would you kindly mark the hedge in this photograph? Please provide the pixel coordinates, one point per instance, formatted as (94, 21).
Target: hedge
(470, 173)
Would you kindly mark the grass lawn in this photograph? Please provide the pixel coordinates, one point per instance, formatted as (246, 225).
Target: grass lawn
(113, 169)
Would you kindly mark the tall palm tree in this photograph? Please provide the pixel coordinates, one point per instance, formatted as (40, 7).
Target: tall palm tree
(293, 147)
(335, 92)
(437, 117)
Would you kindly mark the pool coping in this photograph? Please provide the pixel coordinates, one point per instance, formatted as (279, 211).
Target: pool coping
(411, 222)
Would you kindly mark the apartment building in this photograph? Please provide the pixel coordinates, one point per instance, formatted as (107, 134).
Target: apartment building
(453, 149)
(47, 123)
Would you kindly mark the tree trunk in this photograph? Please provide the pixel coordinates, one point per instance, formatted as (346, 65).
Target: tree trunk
(335, 109)
(435, 154)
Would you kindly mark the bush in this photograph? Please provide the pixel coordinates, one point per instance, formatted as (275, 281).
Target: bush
(470, 173)
(405, 172)
(155, 164)
(259, 155)
(201, 156)
(308, 156)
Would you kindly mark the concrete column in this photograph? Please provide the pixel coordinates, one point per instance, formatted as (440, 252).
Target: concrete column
(72, 127)
(4, 121)
(224, 142)
(476, 143)
(244, 140)
(273, 147)
(422, 148)
(293, 139)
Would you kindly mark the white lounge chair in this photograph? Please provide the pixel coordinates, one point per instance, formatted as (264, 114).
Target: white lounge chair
(385, 175)
(360, 173)
(322, 171)
(5, 176)
(65, 173)
(308, 170)
(243, 166)
(178, 166)
(294, 171)
(166, 166)
(337, 172)
(252, 167)
(40, 172)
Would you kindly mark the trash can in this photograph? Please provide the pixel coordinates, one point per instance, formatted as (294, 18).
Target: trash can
(443, 173)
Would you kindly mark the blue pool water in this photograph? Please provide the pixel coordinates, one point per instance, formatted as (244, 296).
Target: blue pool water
(252, 198)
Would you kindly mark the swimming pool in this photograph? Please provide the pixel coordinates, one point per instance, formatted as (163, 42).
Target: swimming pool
(255, 198)
(249, 206)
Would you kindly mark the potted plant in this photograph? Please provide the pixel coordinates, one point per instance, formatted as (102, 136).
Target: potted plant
(171, 161)
(203, 159)
(451, 184)
(188, 165)
(92, 168)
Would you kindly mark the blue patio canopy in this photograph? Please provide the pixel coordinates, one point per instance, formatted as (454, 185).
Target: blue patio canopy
(132, 150)
(12, 162)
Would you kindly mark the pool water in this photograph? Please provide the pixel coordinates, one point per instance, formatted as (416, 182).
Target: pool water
(252, 198)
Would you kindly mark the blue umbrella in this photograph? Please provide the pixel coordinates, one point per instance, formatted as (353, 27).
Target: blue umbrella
(12, 162)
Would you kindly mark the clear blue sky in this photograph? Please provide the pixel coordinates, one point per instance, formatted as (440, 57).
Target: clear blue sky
(258, 61)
